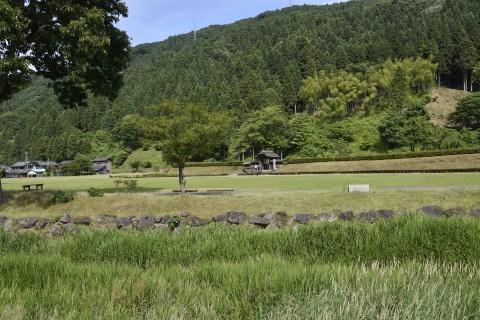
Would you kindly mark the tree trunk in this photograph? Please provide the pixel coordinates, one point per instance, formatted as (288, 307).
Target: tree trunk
(465, 81)
(181, 177)
(2, 198)
(3, 82)
(471, 81)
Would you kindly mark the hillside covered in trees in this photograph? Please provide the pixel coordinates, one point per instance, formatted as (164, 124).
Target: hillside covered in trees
(340, 79)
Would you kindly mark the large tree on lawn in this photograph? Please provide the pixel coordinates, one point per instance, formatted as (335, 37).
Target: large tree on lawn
(73, 43)
(186, 131)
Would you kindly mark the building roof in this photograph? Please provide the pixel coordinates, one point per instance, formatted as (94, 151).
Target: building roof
(46, 163)
(16, 171)
(267, 154)
(97, 168)
(101, 159)
(5, 167)
(22, 164)
(64, 162)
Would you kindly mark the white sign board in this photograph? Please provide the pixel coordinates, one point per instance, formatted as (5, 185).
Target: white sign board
(358, 188)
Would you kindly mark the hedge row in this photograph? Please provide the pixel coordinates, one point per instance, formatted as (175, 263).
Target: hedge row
(379, 171)
(214, 164)
(387, 156)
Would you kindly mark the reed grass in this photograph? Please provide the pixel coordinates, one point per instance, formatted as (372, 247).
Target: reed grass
(411, 268)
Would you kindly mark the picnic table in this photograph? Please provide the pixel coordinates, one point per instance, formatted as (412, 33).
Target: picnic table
(36, 185)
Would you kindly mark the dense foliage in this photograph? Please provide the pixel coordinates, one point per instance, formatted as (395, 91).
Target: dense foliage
(467, 113)
(338, 63)
(74, 43)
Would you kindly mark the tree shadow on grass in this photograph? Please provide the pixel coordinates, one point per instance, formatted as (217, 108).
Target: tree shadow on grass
(39, 198)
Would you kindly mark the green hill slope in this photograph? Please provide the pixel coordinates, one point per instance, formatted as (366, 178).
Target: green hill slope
(247, 66)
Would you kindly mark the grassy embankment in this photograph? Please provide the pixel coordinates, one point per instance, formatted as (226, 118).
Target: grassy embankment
(452, 162)
(409, 268)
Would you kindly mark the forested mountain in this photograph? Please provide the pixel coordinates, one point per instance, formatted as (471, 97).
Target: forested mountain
(334, 66)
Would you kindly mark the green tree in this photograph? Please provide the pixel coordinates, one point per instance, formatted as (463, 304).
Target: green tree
(265, 128)
(408, 128)
(135, 165)
(467, 112)
(186, 131)
(400, 90)
(130, 131)
(81, 165)
(73, 43)
(467, 56)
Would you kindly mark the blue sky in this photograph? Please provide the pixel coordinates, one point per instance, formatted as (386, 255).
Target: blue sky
(156, 20)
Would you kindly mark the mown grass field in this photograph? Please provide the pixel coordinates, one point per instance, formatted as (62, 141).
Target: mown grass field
(337, 182)
(413, 267)
(253, 194)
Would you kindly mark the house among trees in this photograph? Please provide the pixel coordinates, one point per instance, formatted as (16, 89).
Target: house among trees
(4, 168)
(102, 165)
(31, 169)
(266, 160)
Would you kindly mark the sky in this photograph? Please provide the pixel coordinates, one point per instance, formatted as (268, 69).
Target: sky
(156, 20)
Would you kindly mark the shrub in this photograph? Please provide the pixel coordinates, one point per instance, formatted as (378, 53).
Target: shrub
(95, 192)
(147, 164)
(120, 156)
(117, 183)
(63, 197)
(130, 185)
(173, 223)
(135, 165)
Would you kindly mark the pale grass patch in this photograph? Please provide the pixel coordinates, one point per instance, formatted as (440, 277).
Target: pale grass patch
(392, 291)
(13, 312)
(314, 202)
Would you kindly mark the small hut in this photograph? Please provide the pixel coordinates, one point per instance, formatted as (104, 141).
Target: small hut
(251, 167)
(269, 160)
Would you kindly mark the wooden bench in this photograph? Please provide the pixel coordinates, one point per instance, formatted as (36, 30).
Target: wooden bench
(29, 186)
(187, 190)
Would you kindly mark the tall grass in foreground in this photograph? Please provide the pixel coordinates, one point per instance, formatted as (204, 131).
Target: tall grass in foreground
(39, 287)
(415, 237)
(414, 267)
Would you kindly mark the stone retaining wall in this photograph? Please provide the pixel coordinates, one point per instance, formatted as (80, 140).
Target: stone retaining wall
(67, 224)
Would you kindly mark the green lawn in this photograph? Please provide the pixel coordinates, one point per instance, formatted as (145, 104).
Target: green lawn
(285, 183)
